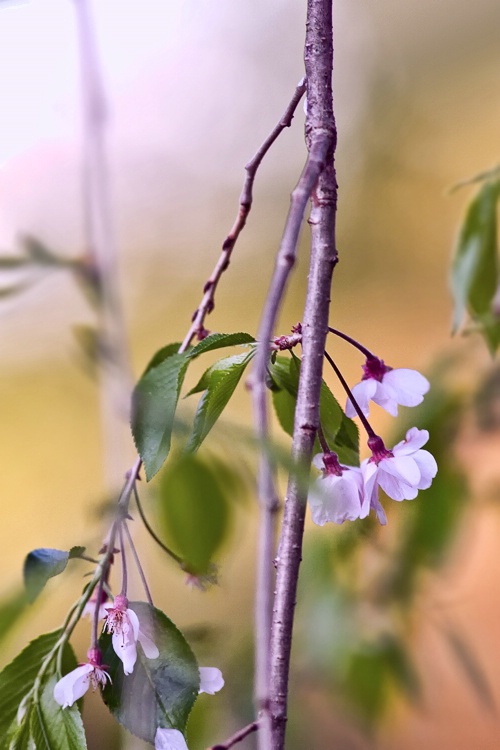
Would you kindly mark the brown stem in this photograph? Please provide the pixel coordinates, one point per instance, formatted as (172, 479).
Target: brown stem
(267, 494)
(246, 198)
(237, 737)
(320, 129)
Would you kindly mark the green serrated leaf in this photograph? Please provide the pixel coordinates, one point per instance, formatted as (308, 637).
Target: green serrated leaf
(161, 355)
(11, 610)
(19, 737)
(159, 692)
(219, 341)
(346, 443)
(474, 275)
(154, 403)
(193, 511)
(17, 678)
(56, 728)
(221, 380)
(40, 565)
(339, 431)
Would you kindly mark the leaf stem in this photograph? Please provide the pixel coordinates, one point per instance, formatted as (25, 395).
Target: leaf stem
(368, 354)
(237, 737)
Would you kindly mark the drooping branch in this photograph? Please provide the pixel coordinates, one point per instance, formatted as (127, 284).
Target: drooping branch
(320, 130)
(315, 163)
(246, 198)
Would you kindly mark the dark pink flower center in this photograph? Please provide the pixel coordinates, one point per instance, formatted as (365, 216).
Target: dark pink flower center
(375, 369)
(332, 465)
(378, 449)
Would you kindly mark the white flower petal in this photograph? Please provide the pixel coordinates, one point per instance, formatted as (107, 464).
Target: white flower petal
(409, 385)
(125, 648)
(148, 646)
(428, 468)
(414, 440)
(362, 392)
(73, 685)
(403, 468)
(170, 739)
(338, 498)
(211, 680)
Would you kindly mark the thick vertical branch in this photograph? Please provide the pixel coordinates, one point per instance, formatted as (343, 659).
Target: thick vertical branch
(320, 127)
(267, 494)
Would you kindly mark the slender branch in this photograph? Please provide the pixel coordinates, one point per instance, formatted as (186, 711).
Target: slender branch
(237, 737)
(321, 134)
(266, 490)
(246, 198)
(152, 533)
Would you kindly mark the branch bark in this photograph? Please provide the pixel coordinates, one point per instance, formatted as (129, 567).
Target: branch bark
(320, 129)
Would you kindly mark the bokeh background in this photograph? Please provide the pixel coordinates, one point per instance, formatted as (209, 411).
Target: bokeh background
(193, 88)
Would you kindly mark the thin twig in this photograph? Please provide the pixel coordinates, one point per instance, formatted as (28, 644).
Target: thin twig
(237, 737)
(152, 533)
(138, 563)
(266, 490)
(321, 138)
(246, 198)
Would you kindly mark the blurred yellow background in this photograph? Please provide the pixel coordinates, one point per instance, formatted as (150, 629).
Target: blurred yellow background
(194, 87)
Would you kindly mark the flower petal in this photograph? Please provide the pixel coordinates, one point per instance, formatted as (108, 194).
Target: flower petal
(170, 739)
(428, 468)
(403, 468)
(362, 392)
(211, 680)
(148, 646)
(73, 685)
(408, 385)
(337, 498)
(414, 440)
(126, 650)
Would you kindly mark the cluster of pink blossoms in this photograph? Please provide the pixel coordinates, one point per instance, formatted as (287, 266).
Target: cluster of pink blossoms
(345, 493)
(124, 626)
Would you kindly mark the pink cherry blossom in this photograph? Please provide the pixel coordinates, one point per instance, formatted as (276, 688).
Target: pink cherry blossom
(387, 388)
(170, 739)
(401, 472)
(338, 495)
(75, 684)
(124, 624)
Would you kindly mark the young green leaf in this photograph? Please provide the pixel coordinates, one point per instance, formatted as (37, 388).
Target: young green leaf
(17, 678)
(161, 355)
(339, 431)
(56, 728)
(219, 383)
(474, 274)
(159, 692)
(40, 565)
(220, 341)
(153, 410)
(194, 511)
